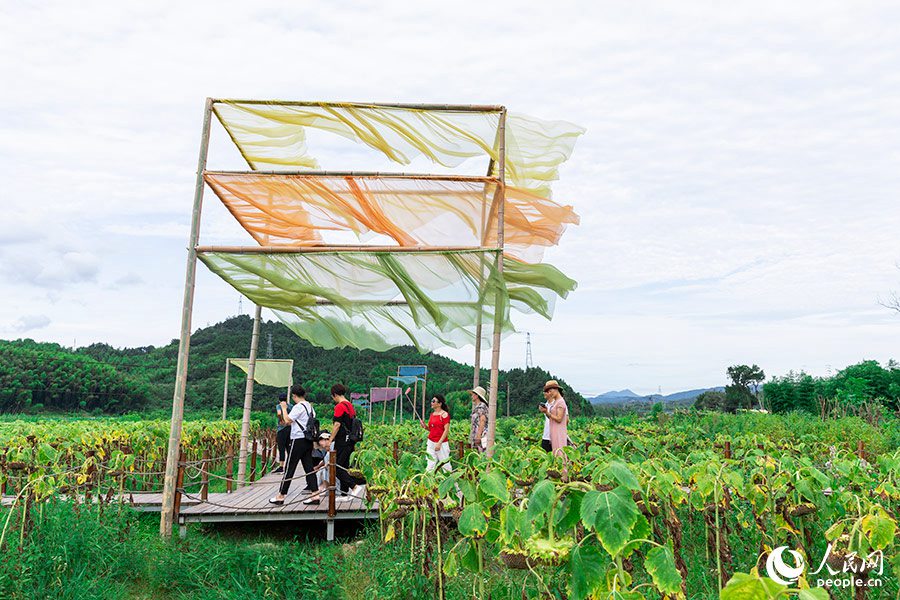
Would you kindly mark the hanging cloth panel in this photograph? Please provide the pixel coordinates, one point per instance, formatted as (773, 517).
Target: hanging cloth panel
(383, 394)
(443, 294)
(297, 209)
(277, 373)
(271, 136)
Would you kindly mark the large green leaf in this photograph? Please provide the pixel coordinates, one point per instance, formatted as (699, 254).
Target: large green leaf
(880, 529)
(493, 485)
(750, 587)
(472, 522)
(620, 472)
(568, 513)
(813, 594)
(586, 568)
(510, 522)
(542, 496)
(612, 515)
(660, 563)
(448, 484)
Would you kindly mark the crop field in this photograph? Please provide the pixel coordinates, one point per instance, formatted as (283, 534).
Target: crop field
(690, 505)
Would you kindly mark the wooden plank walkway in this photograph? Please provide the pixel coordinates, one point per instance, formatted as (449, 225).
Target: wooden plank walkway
(142, 501)
(251, 503)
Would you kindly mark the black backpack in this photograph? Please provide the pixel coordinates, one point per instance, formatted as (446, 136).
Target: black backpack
(356, 430)
(311, 432)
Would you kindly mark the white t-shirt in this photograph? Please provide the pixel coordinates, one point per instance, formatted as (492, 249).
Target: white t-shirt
(299, 416)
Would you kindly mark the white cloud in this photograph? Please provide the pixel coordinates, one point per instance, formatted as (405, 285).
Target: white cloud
(30, 322)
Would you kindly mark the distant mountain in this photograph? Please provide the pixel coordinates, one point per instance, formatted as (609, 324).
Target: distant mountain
(627, 397)
(619, 394)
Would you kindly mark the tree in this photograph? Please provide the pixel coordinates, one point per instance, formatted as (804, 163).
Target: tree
(744, 389)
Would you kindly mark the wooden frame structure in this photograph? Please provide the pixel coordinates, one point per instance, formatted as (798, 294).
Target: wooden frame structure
(497, 207)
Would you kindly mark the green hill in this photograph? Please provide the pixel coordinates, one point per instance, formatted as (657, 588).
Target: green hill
(145, 376)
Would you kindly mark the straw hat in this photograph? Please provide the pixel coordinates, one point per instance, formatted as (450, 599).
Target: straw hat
(480, 392)
(551, 385)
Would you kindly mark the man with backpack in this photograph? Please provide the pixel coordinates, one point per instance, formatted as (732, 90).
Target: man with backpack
(346, 431)
(304, 433)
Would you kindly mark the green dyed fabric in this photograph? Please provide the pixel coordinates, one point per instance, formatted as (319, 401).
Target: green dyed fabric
(277, 373)
(378, 300)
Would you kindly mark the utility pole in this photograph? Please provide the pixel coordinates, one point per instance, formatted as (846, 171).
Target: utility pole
(529, 361)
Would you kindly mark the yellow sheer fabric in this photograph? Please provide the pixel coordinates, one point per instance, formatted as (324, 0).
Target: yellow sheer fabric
(272, 136)
(296, 209)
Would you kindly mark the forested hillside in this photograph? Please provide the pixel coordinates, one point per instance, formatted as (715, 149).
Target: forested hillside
(146, 375)
(36, 376)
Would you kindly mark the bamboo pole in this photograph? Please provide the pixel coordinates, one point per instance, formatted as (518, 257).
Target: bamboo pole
(225, 394)
(248, 399)
(488, 179)
(166, 519)
(400, 105)
(336, 248)
(498, 313)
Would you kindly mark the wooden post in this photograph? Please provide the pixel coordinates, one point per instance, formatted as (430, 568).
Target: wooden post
(396, 451)
(498, 317)
(332, 473)
(253, 463)
(727, 450)
(204, 476)
(860, 450)
(248, 399)
(229, 469)
(461, 449)
(225, 393)
(265, 455)
(179, 484)
(166, 520)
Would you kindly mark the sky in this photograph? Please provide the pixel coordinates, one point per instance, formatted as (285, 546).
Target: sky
(737, 182)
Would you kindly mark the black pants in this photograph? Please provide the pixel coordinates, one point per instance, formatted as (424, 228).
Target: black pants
(299, 451)
(283, 438)
(545, 444)
(342, 459)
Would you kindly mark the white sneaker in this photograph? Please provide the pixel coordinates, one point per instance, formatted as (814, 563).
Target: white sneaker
(358, 491)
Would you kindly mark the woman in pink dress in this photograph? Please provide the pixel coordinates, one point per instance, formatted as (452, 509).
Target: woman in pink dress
(556, 412)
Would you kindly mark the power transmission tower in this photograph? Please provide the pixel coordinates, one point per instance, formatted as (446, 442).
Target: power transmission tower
(529, 361)
(240, 305)
(269, 347)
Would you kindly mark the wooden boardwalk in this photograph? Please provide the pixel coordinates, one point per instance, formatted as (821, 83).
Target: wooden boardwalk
(251, 503)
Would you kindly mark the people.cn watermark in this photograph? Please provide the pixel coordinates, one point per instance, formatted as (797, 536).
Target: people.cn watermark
(834, 570)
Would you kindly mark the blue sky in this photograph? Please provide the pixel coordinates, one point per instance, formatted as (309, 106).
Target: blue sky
(737, 181)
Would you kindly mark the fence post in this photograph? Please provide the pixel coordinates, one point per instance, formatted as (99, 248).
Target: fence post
(229, 469)
(253, 462)
(461, 449)
(727, 450)
(204, 476)
(860, 449)
(396, 451)
(332, 461)
(265, 456)
(179, 484)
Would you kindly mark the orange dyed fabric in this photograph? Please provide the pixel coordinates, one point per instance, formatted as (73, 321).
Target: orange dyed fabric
(297, 209)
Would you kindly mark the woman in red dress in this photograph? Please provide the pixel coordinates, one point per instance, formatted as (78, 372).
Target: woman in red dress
(438, 431)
